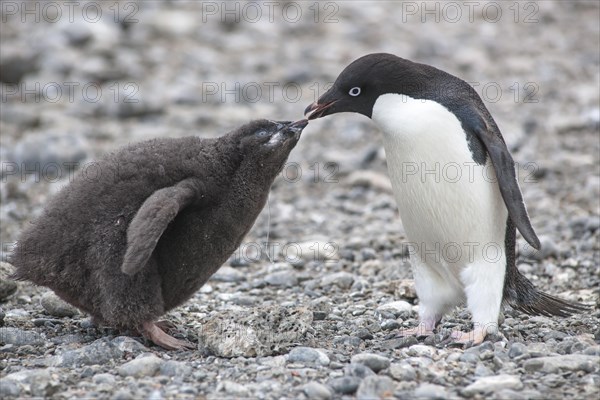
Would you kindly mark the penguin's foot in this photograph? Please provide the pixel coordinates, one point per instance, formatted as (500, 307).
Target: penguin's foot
(165, 325)
(423, 329)
(152, 331)
(475, 336)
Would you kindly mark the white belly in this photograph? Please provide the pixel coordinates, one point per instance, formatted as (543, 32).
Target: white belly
(451, 208)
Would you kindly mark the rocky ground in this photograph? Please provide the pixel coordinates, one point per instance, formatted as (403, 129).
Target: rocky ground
(316, 316)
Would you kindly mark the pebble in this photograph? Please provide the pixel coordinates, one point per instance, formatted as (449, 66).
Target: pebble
(175, 369)
(359, 371)
(20, 337)
(233, 388)
(282, 278)
(400, 343)
(100, 352)
(431, 391)
(308, 355)
(375, 387)
(316, 390)
(105, 378)
(517, 349)
(569, 362)
(396, 307)
(403, 372)
(56, 306)
(228, 274)
(342, 280)
(373, 361)
(490, 384)
(345, 384)
(7, 287)
(420, 350)
(144, 365)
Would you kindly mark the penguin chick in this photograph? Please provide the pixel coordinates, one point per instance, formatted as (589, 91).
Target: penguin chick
(140, 232)
(455, 186)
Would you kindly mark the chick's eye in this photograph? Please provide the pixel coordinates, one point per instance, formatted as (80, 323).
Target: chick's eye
(355, 91)
(262, 133)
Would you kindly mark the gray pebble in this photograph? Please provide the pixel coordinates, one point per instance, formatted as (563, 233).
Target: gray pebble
(569, 362)
(403, 372)
(375, 387)
(345, 384)
(97, 353)
(431, 391)
(360, 371)
(175, 368)
(57, 307)
(491, 384)
(373, 361)
(129, 345)
(316, 390)
(20, 337)
(308, 355)
(228, 274)
(105, 378)
(144, 365)
(7, 289)
(282, 278)
(401, 342)
(517, 349)
(9, 388)
(343, 280)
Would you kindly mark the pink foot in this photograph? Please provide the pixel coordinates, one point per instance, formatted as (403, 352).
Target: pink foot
(151, 331)
(475, 336)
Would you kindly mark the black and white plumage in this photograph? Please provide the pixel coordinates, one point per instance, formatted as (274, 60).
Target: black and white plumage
(461, 224)
(154, 222)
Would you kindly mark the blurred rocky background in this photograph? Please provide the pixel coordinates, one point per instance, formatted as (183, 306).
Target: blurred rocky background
(79, 79)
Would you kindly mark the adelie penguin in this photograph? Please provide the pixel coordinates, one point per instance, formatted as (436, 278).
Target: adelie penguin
(154, 221)
(461, 227)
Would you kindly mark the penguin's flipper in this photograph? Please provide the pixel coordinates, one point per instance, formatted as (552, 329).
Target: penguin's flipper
(152, 219)
(504, 166)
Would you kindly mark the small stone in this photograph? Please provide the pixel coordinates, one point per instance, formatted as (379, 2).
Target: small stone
(364, 334)
(308, 355)
(373, 361)
(517, 349)
(175, 368)
(108, 379)
(420, 350)
(403, 372)
(400, 343)
(396, 307)
(495, 383)
(375, 387)
(342, 280)
(228, 274)
(282, 278)
(317, 250)
(129, 345)
(316, 390)
(7, 287)
(405, 289)
(40, 381)
(9, 388)
(345, 384)
(144, 365)
(359, 371)
(99, 352)
(56, 306)
(233, 388)
(431, 391)
(369, 179)
(390, 324)
(20, 337)
(569, 362)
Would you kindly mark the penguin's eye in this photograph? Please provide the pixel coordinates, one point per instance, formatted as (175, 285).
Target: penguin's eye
(262, 133)
(355, 91)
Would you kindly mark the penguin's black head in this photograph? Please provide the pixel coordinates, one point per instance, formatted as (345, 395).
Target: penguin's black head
(359, 85)
(265, 139)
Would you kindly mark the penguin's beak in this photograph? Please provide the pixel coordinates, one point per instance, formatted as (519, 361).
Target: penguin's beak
(318, 109)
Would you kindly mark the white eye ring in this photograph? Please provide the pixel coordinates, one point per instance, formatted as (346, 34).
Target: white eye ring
(355, 91)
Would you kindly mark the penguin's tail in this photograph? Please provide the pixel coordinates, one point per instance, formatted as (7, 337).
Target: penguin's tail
(520, 294)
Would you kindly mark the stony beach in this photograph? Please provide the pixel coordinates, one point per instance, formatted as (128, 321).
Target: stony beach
(310, 305)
